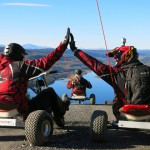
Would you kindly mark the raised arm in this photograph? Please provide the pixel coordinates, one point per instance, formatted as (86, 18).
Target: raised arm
(98, 67)
(46, 62)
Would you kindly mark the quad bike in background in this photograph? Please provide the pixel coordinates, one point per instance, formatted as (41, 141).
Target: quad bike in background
(38, 124)
(80, 98)
(131, 117)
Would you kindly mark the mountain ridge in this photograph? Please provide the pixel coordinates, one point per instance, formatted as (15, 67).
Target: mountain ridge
(68, 62)
(30, 46)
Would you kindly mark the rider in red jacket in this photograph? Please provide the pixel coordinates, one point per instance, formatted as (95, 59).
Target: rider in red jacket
(78, 84)
(15, 73)
(125, 56)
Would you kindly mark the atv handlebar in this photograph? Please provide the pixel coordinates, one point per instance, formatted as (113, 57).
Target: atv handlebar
(44, 74)
(51, 72)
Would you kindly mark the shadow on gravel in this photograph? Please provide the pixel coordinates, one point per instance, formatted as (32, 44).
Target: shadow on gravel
(78, 137)
(12, 138)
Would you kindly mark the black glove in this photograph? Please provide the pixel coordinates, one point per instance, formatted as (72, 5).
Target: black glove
(66, 39)
(72, 43)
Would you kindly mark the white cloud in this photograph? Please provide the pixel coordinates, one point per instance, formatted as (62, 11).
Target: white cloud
(26, 4)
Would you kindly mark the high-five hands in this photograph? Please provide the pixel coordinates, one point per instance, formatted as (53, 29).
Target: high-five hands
(69, 36)
(66, 39)
(72, 43)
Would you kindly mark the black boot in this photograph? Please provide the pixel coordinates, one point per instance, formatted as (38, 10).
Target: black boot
(66, 101)
(59, 120)
(62, 106)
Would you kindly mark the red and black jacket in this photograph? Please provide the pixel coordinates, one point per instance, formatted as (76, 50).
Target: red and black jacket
(103, 70)
(14, 76)
(78, 85)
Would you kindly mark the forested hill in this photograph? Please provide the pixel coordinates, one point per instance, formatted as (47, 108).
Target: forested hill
(68, 63)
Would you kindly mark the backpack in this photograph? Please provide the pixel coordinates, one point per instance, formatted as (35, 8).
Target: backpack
(79, 83)
(138, 84)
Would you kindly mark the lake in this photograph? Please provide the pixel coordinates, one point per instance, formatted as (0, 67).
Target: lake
(102, 90)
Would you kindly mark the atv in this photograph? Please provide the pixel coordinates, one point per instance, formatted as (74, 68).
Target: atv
(38, 124)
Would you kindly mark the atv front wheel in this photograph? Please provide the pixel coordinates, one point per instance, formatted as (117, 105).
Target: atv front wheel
(98, 126)
(92, 99)
(38, 127)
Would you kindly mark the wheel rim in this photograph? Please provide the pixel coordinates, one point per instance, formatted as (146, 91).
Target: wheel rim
(46, 128)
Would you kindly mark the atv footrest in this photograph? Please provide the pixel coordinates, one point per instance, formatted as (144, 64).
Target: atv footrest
(133, 124)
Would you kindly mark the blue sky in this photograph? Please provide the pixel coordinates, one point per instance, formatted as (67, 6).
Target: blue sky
(44, 22)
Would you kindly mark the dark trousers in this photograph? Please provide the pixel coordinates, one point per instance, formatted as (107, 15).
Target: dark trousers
(47, 99)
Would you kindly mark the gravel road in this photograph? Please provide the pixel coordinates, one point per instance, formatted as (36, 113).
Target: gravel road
(75, 135)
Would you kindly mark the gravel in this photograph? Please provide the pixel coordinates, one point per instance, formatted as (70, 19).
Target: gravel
(75, 135)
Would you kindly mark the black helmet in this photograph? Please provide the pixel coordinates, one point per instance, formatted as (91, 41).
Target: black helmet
(14, 51)
(78, 71)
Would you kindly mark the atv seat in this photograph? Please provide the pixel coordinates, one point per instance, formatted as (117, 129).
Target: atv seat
(135, 112)
(75, 96)
(8, 113)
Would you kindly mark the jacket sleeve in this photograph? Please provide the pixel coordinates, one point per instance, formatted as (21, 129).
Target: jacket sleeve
(46, 62)
(98, 67)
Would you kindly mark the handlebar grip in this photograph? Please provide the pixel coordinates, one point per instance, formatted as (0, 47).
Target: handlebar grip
(51, 72)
